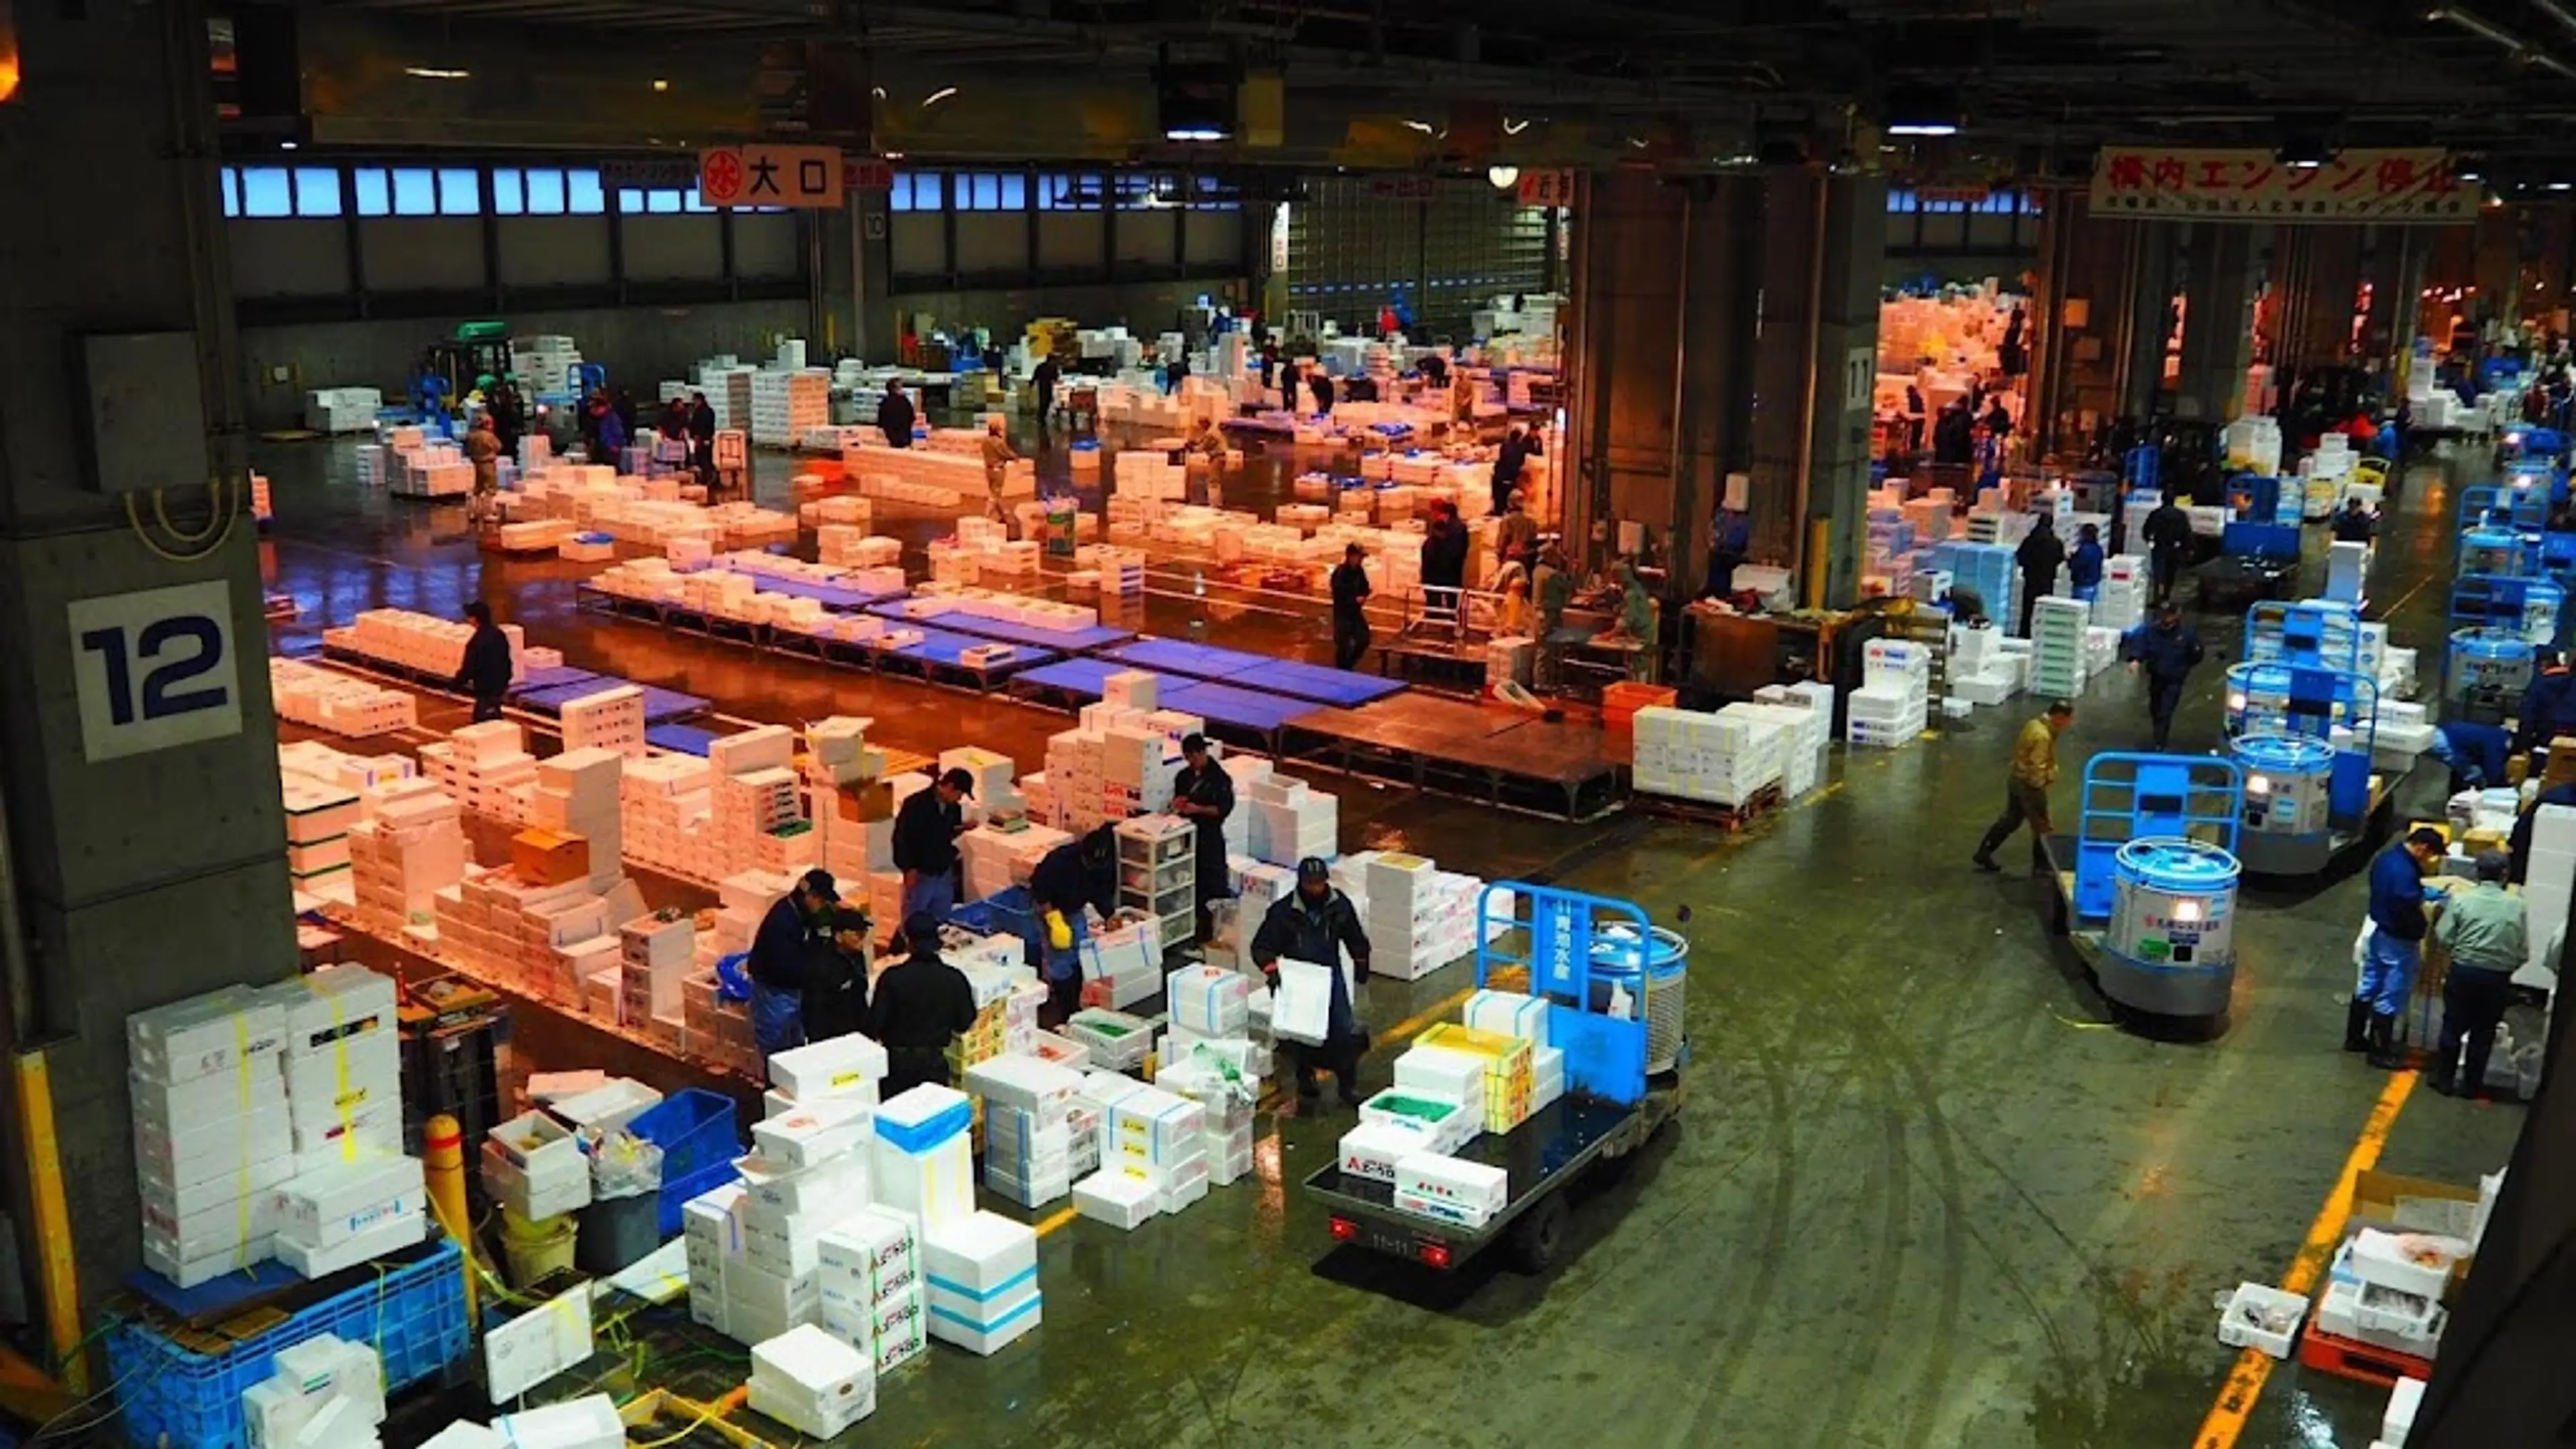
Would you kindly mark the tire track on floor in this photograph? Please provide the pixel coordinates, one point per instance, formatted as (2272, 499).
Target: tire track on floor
(1781, 1142)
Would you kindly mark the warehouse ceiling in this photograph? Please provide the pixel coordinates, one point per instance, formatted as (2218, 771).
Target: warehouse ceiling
(2040, 82)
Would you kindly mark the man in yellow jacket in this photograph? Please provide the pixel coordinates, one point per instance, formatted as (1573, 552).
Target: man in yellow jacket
(2034, 769)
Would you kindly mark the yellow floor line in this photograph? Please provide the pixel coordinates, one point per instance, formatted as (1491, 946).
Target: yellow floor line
(1055, 1220)
(1408, 1028)
(2244, 1386)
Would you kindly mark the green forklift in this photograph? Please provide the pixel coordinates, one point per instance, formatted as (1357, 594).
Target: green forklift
(476, 356)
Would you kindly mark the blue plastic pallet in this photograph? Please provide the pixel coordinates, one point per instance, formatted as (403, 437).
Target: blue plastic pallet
(412, 1315)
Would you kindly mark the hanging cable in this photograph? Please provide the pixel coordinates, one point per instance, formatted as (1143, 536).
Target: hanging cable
(215, 488)
(203, 545)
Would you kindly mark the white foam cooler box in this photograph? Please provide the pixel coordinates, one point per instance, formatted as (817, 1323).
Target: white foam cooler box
(1438, 1186)
(982, 1273)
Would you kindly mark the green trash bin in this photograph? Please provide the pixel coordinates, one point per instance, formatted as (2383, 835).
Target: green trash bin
(1061, 511)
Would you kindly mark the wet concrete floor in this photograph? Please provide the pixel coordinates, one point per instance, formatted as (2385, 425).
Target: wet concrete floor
(1923, 1192)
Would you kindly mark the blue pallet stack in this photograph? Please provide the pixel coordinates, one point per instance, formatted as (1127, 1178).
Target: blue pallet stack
(1985, 567)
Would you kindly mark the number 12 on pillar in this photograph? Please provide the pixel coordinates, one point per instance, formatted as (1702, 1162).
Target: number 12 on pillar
(155, 669)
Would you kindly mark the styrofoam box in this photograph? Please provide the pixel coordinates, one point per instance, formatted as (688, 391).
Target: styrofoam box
(834, 1064)
(813, 1134)
(2237, 1330)
(203, 1035)
(587, 1423)
(385, 1237)
(1112, 1197)
(324, 1208)
(831, 1184)
(1372, 1149)
(2386, 1259)
(818, 1385)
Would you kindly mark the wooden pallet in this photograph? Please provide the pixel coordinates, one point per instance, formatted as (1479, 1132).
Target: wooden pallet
(1730, 818)
(2360, 1362)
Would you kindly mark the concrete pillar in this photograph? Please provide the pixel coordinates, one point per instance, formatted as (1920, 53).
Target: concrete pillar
(2331, 297)
(852, 270)
(2217, 338)
(152, 875)
(2150, 286)
(1661, 324)
(1824, 246)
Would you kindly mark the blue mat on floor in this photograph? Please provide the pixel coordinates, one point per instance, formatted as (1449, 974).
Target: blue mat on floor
(660, 705)
(1246, 670)
(1079, 677)
(555, 678)
(1068, 641)
(838, 597)
(1174, 656)
(681, 739)
(1225, 704)
(941, 646)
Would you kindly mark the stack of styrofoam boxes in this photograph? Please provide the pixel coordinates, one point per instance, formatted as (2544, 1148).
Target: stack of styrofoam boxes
(1160, 1138)
(578, 792)
(982, 1272)
(1510, 1014)
(544, 362)
(812, 1382)
(2546, 889)
(325, 1392)
(2403, 729)
(326, 699)
(995, 859)
(1510, 1071)
(1980, 671)
(354, 1195)
(422, 643)
(654, 958)
(2348, 568)
(785, 403)
(871, 1286)
(1986, 568)
(758, 811)
(213, 1134)
(808, 1172)
(2057, 628)
(1725, 758)
(487, 768)
(319, 815)
(727, 385)
(1028, 1137)
(410, 848)
(663, 808)
(1894, 700)
(853, 813)
(533, 1166)
(435, 470)
(1807, 710)
(2101, 649)
(1888, 570)
(612, 719)
(342, 409)
(2385, 1289)
(1287, 821)
(1419, 918)
(2121, 603)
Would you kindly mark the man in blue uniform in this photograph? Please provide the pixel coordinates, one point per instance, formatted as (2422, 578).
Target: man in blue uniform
(1081, 872)
(2164, 649)
(2549, 705)
(784, 960)
(2394, 948)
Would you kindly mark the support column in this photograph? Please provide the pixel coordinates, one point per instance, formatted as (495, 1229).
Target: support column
(2331, 298)
(2153, 280)
(141, 878)
(1825, 243)
(1661, 326)
(2217, 338)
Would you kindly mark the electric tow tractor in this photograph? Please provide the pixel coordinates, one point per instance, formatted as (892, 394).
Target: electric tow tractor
(2302, 719)
(1611, 985)
(2146, 886)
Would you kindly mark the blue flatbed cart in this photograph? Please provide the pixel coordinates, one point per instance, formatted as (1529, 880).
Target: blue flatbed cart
(1588, 957)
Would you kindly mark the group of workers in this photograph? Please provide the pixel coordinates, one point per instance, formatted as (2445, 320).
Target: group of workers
(810, 963)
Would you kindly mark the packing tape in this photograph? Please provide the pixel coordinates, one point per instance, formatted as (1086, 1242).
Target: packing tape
(340, 1055)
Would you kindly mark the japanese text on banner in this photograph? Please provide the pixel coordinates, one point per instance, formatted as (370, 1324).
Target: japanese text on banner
(2400, 186)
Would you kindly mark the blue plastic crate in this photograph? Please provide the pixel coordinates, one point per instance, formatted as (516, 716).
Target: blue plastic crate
(413, 1316)
(676, 1192)
(695, 1130)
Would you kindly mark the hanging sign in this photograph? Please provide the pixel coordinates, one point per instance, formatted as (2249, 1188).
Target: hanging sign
(1553, 187)
(2396, 186)
(795, 176)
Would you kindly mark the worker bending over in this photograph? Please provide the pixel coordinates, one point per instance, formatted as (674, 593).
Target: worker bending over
(787, 957)
(925, 844)
(1316, 923)
(922, 1004)
(2485, 931)
(1079, 875)
(2394, 949)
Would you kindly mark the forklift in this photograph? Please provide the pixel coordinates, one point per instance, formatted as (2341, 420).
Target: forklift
(460, 364)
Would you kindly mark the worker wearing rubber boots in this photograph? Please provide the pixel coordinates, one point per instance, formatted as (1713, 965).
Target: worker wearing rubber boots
(2163, 649)
(2034, 769)
(2394, 949)
(1317, 923)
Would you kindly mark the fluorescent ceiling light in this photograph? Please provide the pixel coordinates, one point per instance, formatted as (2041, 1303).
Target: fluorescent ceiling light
(1193, 133)
(935, 97)
(1503, 177)
(431, 73)
(1923, 128)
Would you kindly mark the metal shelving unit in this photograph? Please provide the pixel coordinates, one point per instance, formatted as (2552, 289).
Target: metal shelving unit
(1158, 874)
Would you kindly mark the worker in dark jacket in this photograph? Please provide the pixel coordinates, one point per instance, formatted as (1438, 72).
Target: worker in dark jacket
(786, 959)
(485, 670)
(702, 437)
(1350, 608)
(2084, 563)
(1518, 447)
(895, 415)
(925, 844)
(1203, 794)
(2548, 706)
(1044, 377)
(2039, 556)
(2167, 535)
(921, 1005)
(1322, 383)
(1079, 875)
(1316, 923)
(2354, 524)
(2394, 948)
(1290, 380)
(2476, 752)
(2518, 844)
(2164, 649)
(836, 995)
(1444, 565)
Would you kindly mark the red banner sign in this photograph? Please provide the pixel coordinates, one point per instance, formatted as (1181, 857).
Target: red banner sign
(2391, 186)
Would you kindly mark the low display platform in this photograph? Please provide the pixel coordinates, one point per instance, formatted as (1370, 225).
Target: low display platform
(1494, 756)
(661, 706)
(1065, 641)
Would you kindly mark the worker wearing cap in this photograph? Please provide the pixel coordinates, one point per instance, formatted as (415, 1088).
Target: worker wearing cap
(785, 959)
(1080, 874)
(921, 1004)
(1203, 794)
(1317, 923)
(925, 845)
(2485, 931)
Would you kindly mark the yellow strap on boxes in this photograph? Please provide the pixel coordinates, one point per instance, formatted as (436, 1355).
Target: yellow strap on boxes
(340, 1055)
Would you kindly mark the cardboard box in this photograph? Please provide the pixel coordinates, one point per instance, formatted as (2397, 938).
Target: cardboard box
(549, 857)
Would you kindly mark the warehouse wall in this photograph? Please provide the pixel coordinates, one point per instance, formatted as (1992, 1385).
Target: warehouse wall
(639, 345)
(1146, 307)
(1451, 244)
